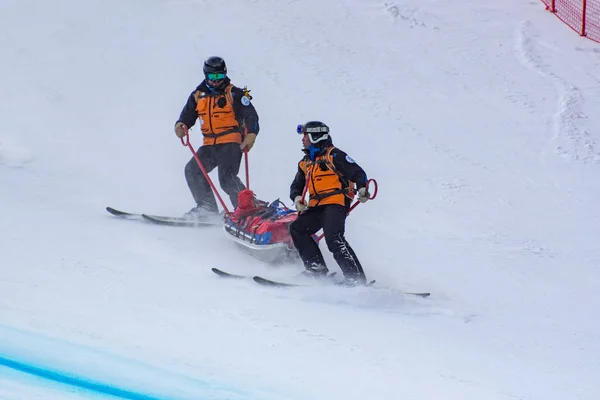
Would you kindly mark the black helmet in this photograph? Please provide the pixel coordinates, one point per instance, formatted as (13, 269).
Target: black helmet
(215, 65)
(316, 131)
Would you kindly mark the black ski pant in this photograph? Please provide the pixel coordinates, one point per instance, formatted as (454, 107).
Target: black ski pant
(332, 218)
(226, 158)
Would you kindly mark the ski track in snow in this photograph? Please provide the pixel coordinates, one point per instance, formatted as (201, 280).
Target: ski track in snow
(571, 137)
(405, 14)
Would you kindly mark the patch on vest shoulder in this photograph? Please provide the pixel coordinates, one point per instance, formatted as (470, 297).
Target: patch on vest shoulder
(245, 101)
(350, 160)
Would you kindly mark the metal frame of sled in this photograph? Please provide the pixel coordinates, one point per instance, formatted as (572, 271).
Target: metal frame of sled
(271, 253)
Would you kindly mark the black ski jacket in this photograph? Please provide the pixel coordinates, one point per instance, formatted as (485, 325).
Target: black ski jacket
(245, 114)
(345, 165)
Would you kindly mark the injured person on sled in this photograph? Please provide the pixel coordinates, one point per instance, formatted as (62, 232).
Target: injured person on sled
(262, 228)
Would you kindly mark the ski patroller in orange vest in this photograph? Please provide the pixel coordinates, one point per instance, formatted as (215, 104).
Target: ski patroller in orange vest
(325, 184)
(219, 123)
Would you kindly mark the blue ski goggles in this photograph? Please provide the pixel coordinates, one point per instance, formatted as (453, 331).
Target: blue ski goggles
(216, 76)
(300, 128)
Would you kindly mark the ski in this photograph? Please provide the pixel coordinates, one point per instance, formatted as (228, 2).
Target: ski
(262, 280)
(420, 294)
(273, 283)
(159, 219)
(224, 274)
(176, 221)
(267, 282)
(122, 214)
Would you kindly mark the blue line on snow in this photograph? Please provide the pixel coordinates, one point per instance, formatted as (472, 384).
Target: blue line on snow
(73, 381)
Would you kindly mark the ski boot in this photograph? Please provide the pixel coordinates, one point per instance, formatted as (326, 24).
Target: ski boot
(315, 268)
(201, 214)
(352, 281)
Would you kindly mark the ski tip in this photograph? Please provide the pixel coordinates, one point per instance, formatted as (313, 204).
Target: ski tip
(263, 281)
(118, 213)
(423, 294)
(267, 282)
(219, 272)
(227, 274)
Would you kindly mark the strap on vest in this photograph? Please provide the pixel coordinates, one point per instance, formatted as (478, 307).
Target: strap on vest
(215, 135)
(321, 196)
(227, 92)
(345, 190)
(343, 180)
(229, 95)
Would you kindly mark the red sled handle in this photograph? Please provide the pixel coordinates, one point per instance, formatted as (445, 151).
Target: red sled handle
(186, 142)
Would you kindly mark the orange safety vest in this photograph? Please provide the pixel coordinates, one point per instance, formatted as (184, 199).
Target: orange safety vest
(219, 124)
(325, 184)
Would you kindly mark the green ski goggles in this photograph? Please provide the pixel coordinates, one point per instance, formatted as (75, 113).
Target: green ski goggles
(216, 76)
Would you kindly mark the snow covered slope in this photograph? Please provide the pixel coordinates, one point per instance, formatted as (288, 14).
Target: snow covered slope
(479, 121)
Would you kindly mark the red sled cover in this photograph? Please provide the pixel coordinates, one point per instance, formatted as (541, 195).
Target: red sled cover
(259, 222)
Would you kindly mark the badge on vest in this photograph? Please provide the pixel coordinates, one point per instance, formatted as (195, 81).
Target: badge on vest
(350, 160)
(245, 101)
